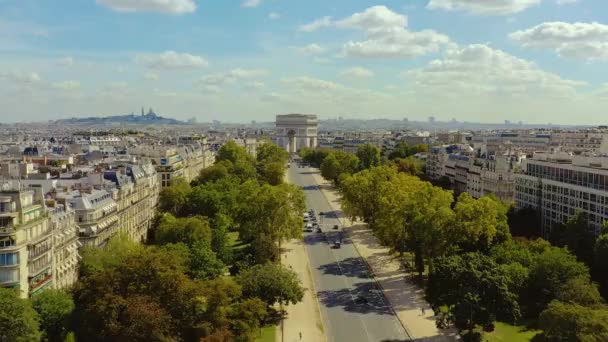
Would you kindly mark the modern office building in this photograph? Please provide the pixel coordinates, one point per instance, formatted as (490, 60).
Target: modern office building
(558, 184)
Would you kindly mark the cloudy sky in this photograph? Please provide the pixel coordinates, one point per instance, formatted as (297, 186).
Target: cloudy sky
(538, 61)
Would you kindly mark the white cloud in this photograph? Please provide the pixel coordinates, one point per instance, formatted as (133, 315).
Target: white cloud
(566, 2)
(66, 61)
(311, 49)
(66, 85)
(387, 35)
(232, 76)
(483, 7)
(27, 78)
(274, 16)
(478, 70)
(151, 76)
(587, 41)
(172, 60)
(251, 3)
(162, 6)
(316, 25)
(357, 72)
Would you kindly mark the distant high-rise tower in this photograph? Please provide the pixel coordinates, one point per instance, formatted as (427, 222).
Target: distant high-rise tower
(431, 119)
(142, 111)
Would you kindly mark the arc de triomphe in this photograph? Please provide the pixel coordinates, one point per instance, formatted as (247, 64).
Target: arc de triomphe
(295, 131)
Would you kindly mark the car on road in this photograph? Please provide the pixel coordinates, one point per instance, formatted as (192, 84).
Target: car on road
(336, 226)
(319, 230)
(337, 244)
(308, 227)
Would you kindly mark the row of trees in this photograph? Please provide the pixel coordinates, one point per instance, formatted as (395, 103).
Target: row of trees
(477, 273)
(334, 163)
(178, 287)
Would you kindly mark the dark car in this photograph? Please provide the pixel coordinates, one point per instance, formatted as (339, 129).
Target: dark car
(319, 230)
(336, 226)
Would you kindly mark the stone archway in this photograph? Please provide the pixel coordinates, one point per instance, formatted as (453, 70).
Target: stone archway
(291, 141)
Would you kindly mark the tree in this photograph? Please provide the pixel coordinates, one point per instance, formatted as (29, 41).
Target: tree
(272, 210)
(203, 263)
(146, 296)
(272, 173)
(410, 166)
(577, 236)
(213, 198)
(314, 156)
(271, 153)
(111, 255)
(474, 288)
(600, 267)
(54, 308)
(220, 226)
(247, 317)
(272, 283)
(338, 163)
(369, 156)
(361, 192)
(579, 290)
(214, 173)
(573, 322)
(233, 153)
(479, 222)
(19, 322)
(549, 271)
(401, 151)
(188, 230)
(173, 199)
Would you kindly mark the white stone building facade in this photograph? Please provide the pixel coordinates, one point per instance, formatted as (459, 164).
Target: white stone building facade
(296, 131)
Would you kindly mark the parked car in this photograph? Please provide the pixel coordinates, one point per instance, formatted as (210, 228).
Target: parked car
(337, 244)
(308, 227)
(319, 230)
(336, 226)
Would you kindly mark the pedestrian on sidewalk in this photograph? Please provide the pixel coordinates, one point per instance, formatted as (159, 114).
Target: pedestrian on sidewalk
(300, 335)
(423, 310)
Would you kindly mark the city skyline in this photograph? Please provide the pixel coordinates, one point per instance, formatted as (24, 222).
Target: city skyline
(522, 60)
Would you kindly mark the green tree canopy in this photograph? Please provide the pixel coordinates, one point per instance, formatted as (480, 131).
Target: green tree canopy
(271, 153)
(338, 163)
(474, 288)
(479, 222)
(173, 199)
(272, 210)
(550, 271)
(369, 156)
(214, 172)
(410, 165)
(187, 230)
(577, 235)
(146, 296)
(600, 266)
(573, 322)
(19, 322)
(361, 192)
(54, 308)
(272, 283)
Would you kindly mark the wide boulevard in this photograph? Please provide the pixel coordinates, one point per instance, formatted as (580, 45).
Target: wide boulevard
(352, 307)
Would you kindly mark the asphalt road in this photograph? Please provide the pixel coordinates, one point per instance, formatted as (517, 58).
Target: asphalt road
(352, 307)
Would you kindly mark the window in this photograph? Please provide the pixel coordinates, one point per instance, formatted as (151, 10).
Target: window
(7, 241)
(9, 259)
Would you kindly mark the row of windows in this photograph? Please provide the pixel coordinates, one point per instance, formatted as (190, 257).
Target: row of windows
(586, 179)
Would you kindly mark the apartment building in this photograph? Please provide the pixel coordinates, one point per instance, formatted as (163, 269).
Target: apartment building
(558, 184)
(25, 240)
(172, 161)
(65, 244)
(478, 174)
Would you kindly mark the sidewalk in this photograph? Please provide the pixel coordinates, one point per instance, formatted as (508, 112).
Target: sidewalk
(304, 317)
(406, 298)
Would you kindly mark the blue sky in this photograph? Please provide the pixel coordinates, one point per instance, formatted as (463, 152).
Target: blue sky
(231, 60)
